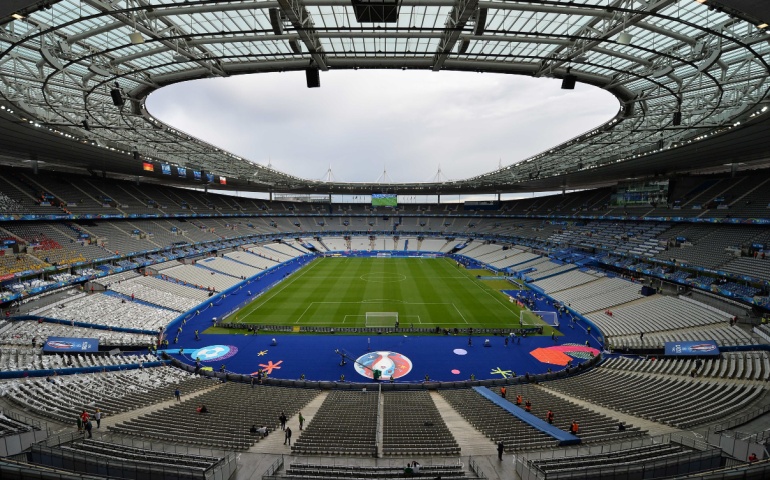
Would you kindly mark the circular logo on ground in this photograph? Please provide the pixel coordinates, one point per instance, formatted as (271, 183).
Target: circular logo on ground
(392, 365)
(213, 353)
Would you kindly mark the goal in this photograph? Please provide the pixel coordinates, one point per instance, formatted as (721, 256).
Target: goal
(534, 318)
(381, 319)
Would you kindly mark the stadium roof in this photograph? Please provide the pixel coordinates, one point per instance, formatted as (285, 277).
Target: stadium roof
(682, 71)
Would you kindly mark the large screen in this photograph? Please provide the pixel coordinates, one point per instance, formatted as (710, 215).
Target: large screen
(384, 200)
(640, 194)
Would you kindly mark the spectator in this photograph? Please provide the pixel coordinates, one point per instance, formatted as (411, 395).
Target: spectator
(287, 436)
(500, 450)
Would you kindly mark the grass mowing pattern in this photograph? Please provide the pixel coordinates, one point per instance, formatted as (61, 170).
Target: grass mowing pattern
(337, 292)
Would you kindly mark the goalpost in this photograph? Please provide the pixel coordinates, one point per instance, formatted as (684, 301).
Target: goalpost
(381, 319)
(534, 318)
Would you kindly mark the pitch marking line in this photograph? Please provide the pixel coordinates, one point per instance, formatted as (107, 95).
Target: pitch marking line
(367, 302)
(485, 290)
(461, 314)
(383, 326)
(279, 290)
(383, 300)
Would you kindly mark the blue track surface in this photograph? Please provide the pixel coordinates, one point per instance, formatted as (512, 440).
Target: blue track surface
(443, 358)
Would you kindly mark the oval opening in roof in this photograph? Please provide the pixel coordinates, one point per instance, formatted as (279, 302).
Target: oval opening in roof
(364, 122)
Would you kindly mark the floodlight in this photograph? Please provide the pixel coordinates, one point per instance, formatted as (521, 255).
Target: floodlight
(624, 38)
(117, 97)
(136, 38)
(568, 82)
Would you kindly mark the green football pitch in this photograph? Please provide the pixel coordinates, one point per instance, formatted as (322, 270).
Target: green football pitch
(425, 292)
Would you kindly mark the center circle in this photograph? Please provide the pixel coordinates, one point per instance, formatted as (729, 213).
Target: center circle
(383, 277)
(391, 365)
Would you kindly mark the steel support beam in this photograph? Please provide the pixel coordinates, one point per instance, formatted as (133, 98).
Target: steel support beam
(453, 27)
(300, 18)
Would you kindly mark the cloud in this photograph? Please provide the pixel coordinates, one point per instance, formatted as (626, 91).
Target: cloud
(363, 122)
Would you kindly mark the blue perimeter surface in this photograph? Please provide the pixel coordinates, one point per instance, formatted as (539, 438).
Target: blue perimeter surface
(564, 438)
(441, 357)
(315, 357)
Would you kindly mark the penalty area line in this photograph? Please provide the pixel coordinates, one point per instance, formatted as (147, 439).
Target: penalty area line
(461, 313)
(277, 291)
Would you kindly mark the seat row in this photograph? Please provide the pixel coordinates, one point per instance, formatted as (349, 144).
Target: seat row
(232, 410)
(682, 403)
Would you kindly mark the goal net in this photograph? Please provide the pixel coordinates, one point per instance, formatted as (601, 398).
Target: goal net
(381, 319)
(534, 318)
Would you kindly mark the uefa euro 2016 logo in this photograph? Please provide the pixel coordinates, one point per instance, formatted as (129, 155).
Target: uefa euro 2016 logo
(393, 365)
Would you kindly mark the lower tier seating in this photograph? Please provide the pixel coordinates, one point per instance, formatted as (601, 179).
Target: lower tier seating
(673, 401)
(232, 409)
(346, 424)
(496, 423)
(413, 426)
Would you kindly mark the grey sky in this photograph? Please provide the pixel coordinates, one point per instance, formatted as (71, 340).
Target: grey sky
(361, 121)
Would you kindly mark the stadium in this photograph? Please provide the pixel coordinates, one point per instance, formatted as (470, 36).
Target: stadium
(224, 319)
